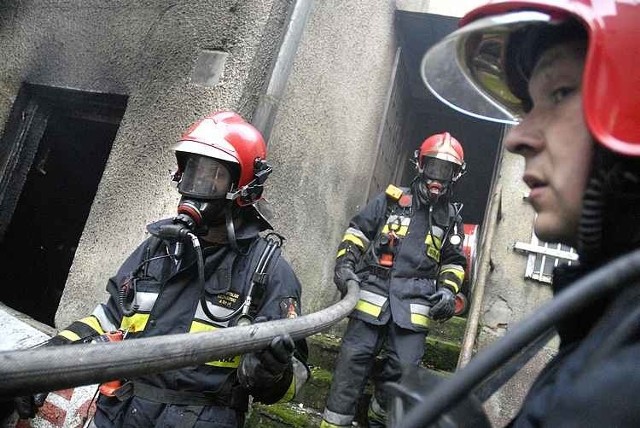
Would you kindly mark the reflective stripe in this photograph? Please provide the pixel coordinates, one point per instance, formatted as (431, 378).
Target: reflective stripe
(69, 335)
(229, 362)
(457, 270)
(94, 324)
(433, 241)
(300, 376)
(103, 319)
(421, 320)
(336, 419)
(134, 323)
(454, 287)
(341, 252)
(370, 303)
(216, 311)
(397, 224)
(368, 308)
(417, 308)
(145, 301)
(372, 297)
(419, 314)
(356, 236)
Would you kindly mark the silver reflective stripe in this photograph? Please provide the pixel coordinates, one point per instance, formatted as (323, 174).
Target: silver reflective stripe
(373, 298)
(395, 219)
(359, 234)
(300, 374)
(145, 300)
(216, 311)
(437, 231)
(419, 309)
(337, 418)
(104, 321)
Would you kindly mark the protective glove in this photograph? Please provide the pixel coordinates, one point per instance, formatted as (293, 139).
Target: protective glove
(28, 406)
(444, 304)
(342, 273)
(268, 366)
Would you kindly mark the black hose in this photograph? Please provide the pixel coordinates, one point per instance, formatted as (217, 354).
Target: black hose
(49, 369)
(607, 279)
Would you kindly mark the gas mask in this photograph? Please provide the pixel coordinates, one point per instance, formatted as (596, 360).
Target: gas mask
(436, 178)
(203, 183)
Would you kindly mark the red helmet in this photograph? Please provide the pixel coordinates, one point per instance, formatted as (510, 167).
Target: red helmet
(470, 69)
(444, 147)
(227, 137)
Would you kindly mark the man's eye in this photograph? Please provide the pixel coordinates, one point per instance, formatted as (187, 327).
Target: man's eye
(561, 93)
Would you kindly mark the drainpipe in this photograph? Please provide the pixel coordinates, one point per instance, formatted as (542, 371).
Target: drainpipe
(268, 104)
(477, 297)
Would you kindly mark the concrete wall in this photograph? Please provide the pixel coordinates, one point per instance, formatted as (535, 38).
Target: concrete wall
(508, 296)
(146, 50)
(323, 143)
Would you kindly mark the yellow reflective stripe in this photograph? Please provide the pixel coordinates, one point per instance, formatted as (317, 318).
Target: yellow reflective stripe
(420, 319)
(456, 271)
(199, 327)
(69, 335)
(93, 323)
(353, 238)
(455, 287)
(368, 308)
(229, 362)
(341, 252)
(134, 323)
(433, 240)
(402, 231)
(291, 392)
(393, 192)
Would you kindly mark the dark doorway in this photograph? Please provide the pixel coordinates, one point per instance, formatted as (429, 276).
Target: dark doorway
(65, 147)
(412, 114)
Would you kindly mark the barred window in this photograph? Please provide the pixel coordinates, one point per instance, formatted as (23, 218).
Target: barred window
(544, 257)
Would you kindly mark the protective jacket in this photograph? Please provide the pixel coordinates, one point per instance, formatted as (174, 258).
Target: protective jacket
(406, 251)
(594, 379)
(167, 300)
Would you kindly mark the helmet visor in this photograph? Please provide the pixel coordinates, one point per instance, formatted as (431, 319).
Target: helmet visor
(438, 169)
(466, 70)
(205, 178)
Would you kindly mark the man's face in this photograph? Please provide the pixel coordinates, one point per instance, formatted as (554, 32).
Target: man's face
(554, 140)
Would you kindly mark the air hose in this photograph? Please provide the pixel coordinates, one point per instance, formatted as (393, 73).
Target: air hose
(53, 368)
(609, 278)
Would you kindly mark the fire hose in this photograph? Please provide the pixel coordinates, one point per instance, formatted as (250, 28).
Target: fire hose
(611, 277)
(58, 367)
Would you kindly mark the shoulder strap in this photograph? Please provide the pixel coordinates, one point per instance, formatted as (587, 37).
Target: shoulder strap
(269, 249)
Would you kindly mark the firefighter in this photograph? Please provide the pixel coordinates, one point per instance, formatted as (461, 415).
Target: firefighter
(564, 72)
(405, 250)
(160, 290)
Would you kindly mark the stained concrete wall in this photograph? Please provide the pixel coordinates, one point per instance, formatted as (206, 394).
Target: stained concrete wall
(144, 49)
(508, 296)
(324, 140)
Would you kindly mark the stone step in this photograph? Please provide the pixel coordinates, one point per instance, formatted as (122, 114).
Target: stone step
(441, 355)
(441, 351)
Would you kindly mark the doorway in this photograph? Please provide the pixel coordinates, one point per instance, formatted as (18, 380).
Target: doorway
(48, 185)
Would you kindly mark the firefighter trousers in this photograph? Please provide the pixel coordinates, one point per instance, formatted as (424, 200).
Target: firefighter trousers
(361, 344)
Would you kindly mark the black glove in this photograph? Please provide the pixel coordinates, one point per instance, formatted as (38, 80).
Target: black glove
(342, 273)
(444, 304)
(263, 368)
(28, 406)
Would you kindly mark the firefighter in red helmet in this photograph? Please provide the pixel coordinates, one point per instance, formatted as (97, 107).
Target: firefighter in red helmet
(204, 269)
(405, 250)
(561, 72)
